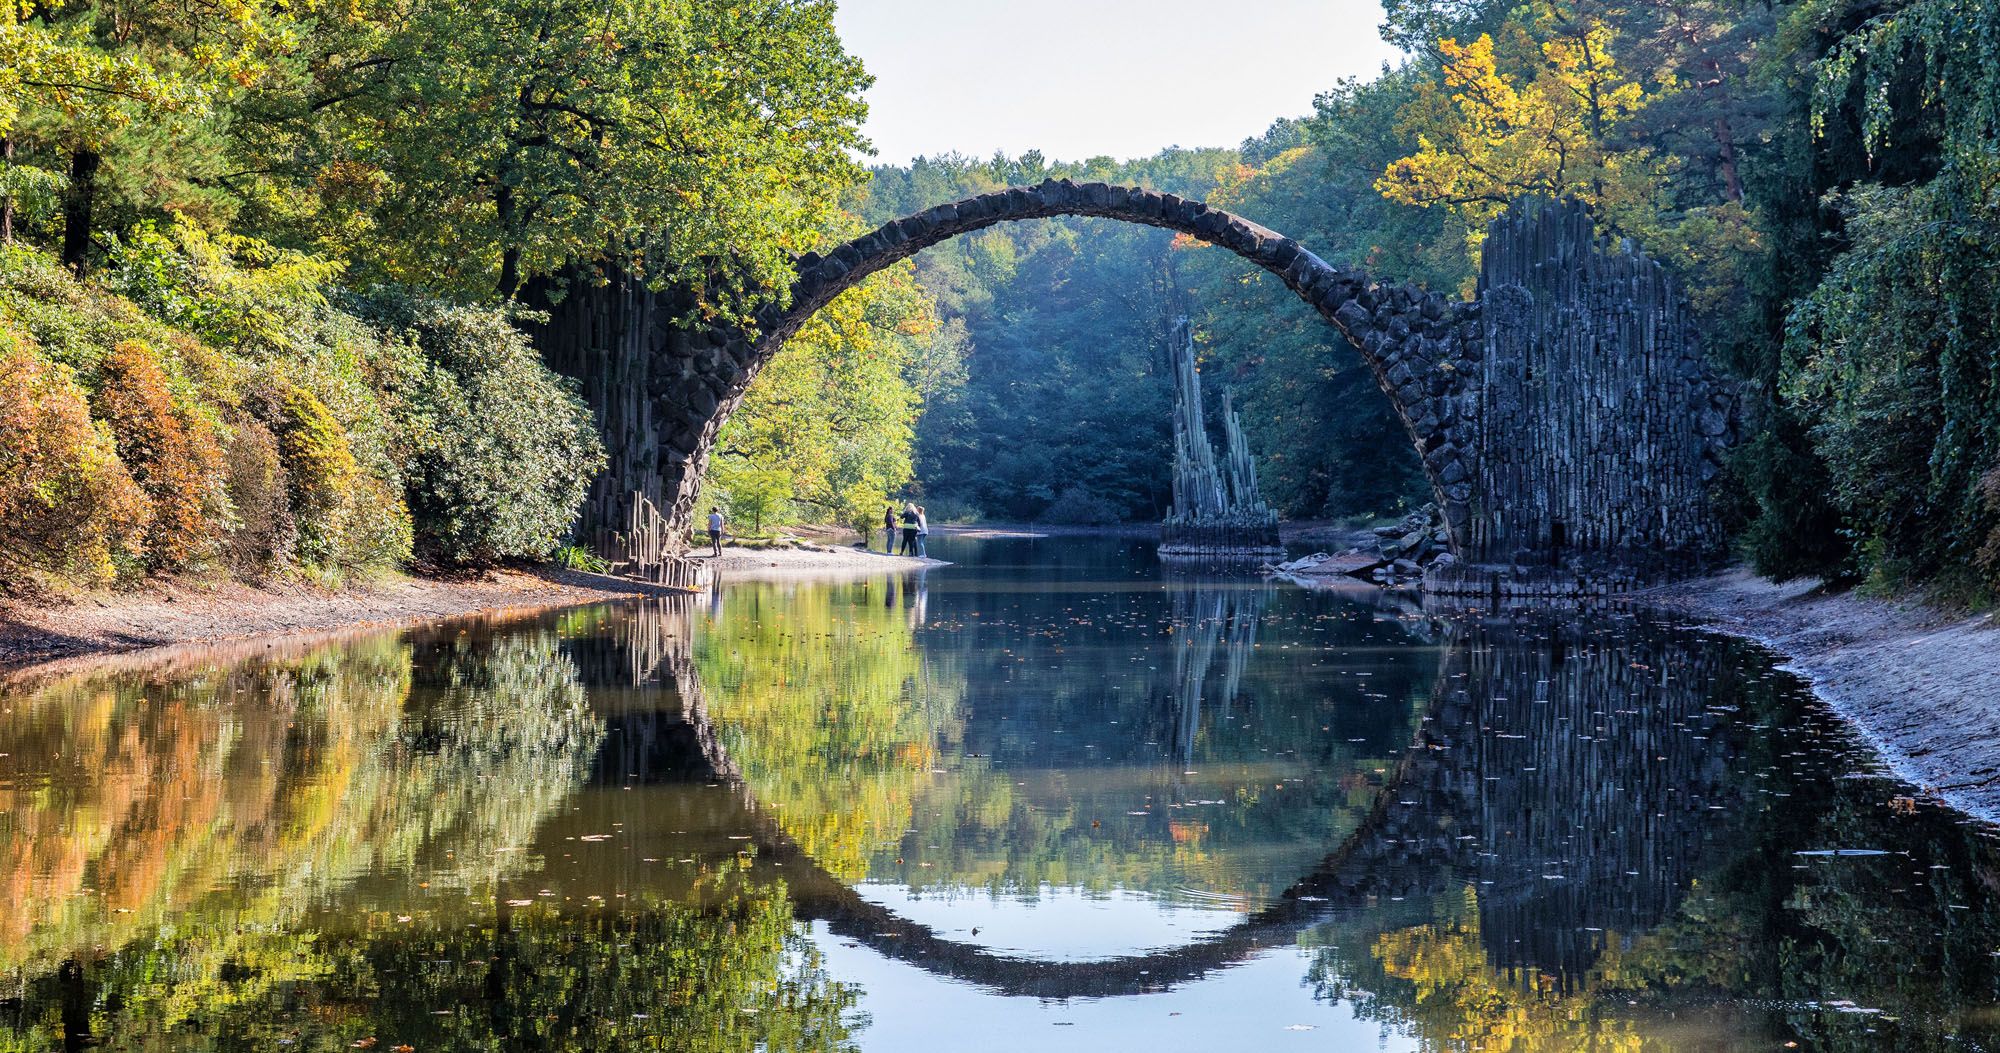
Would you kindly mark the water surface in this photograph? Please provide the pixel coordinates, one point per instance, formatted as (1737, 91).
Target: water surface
(1053, 797)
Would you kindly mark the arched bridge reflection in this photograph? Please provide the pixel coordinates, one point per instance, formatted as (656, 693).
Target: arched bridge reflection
(1569, 771)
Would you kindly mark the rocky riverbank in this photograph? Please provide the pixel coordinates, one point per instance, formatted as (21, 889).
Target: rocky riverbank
(1921, 685)
(1392, 556)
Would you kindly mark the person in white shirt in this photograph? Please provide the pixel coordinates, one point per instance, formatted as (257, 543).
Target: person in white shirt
(923, 533)
(715, 530)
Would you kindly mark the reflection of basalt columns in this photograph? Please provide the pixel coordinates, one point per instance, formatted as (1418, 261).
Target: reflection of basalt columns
(1590, 775)
(1203, 619)
(642, 646)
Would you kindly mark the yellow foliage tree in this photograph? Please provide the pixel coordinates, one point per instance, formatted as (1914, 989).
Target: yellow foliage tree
(1524, 116)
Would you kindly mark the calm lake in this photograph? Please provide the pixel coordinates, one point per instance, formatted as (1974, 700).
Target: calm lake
(1052, 797)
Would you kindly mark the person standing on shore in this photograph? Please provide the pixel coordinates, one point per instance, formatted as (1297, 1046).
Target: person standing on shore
(923, 533)
(909, 530)
(889, 529)
(715, 530)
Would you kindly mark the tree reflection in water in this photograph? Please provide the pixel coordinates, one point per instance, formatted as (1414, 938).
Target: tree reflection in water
(1008, 756)
(220, 850)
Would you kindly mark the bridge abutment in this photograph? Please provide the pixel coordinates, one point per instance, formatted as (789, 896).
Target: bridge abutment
(1598, 425)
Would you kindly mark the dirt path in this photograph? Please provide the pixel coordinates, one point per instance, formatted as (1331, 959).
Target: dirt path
(176, 613)
(1923, 687)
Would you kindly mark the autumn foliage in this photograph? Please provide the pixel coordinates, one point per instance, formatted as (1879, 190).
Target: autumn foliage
(67, 500)
(172, 454)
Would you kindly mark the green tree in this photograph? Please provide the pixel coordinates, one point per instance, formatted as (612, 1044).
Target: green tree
(479, 144)
(1486, 135)
(825, 431)
(501, 449)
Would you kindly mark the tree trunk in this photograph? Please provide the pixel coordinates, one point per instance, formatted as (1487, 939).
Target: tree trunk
(6, 200)
(1732, 181)
(510, 254)
(78, 202)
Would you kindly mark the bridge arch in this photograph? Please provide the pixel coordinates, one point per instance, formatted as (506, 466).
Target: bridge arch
(1403, 332)
(1418, 345)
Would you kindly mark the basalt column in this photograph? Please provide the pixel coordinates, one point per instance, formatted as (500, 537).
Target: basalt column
(1598, 425)
(1218, 511)
(653, 384)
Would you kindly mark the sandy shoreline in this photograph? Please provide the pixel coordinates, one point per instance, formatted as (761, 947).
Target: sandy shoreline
(1921, 686)
(165, 613)
(809, 561)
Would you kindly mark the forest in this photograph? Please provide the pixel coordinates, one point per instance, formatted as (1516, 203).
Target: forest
(263, 266)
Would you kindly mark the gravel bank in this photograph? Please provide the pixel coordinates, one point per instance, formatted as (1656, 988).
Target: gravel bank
(162, 613)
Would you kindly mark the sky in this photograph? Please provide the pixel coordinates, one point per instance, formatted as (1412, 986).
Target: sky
(1081, 78)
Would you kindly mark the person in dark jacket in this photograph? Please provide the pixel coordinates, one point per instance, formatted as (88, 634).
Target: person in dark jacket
(909, 530)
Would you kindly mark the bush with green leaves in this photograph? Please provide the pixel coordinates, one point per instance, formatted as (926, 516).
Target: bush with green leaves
(1895, 370)
(499, 449)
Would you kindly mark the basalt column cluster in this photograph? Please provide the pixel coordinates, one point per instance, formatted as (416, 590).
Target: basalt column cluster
(1217, 510)
(1598, 425)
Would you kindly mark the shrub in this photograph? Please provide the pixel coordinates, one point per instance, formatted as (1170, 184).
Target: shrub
(577, 557)
(78, 325)
(377, 530)
(229, 290)
(67, 505)
(500, 450)
(319, 468)
(172, 455)
(258, 487)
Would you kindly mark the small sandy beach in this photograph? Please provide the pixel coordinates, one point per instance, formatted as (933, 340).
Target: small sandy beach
(1921, 685)
(807, 562)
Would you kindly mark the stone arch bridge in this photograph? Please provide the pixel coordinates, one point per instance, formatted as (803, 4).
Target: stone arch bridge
(1564, 417)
